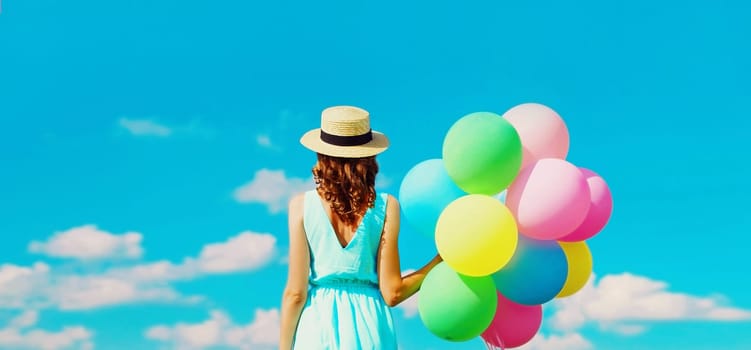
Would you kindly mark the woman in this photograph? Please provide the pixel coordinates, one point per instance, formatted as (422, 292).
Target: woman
(344, 271)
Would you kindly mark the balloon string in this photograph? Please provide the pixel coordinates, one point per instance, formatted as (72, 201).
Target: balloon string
(496, 339)
(489, 346)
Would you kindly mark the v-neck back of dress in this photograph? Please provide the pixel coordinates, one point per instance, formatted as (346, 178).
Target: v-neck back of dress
(331, 223)
(330, 261)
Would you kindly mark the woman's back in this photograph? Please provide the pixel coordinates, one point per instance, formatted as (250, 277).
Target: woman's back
(330, 260)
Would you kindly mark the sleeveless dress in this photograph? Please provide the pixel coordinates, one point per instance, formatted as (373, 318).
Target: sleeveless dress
(344, 309)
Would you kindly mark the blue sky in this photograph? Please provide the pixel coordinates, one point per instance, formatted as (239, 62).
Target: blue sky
(147, 150)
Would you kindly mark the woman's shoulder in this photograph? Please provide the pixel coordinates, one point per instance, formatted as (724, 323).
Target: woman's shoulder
(296, 204)
(298, 197)
(390, 200)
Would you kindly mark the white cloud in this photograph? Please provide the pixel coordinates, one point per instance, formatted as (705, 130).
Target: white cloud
(272, 188)
(89, 243)
(25, 320)
(40, 287)
(276, 129)
(570, 341)
(264, 140)
(150, 281)
(158, 271)
(409, 306)
(625, 329)
(19, 284)
(89, 292)
(245, 251)
(18, 334)
(264, 330)
(150, 127)
(220, 330)
(626, 303)
(383, 182)
(9, 273)
(145, 127)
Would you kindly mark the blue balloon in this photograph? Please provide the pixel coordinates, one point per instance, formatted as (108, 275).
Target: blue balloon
(535, 274)
(502, 196)
(425, 191)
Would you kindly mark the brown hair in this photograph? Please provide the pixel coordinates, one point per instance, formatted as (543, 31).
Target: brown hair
(347, 183)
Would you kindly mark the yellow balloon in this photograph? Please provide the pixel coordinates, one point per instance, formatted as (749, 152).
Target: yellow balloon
(476, 235)
(579, 260)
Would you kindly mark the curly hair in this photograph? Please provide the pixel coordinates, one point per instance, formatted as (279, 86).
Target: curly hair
(347, 183)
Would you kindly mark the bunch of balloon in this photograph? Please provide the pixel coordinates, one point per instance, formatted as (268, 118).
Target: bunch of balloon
(452, 200)
(510, 217)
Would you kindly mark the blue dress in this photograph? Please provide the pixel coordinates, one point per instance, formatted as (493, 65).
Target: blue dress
(344, 309)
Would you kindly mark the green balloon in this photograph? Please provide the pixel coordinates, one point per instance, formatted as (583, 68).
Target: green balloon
(455, 307)
(482, 153)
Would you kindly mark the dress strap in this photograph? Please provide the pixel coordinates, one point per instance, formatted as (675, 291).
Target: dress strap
(312, 218)
(377, 218)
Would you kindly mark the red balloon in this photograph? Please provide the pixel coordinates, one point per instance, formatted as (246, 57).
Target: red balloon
(513, 325)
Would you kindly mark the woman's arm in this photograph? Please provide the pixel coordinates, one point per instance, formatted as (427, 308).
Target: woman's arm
(394, 287)
(296, 291)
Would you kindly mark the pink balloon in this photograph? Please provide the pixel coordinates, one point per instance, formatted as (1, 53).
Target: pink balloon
(601, 207)
(513, 325)
(549, 199)
(542, 131)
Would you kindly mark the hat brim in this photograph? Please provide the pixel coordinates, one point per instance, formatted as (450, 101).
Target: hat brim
(312, 141)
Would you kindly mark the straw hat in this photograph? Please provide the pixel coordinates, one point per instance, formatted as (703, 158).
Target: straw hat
(345, 132)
